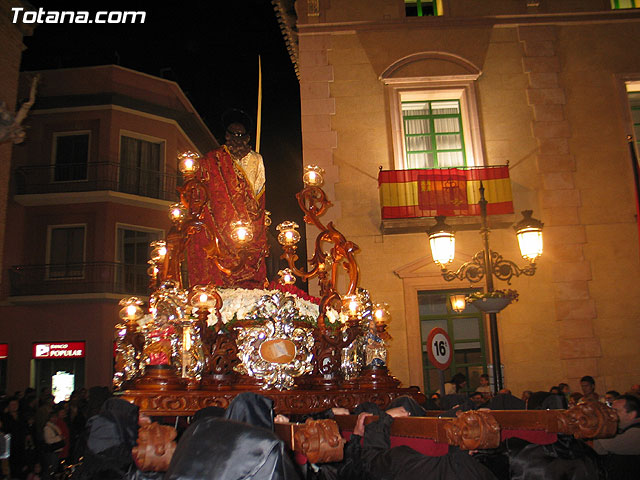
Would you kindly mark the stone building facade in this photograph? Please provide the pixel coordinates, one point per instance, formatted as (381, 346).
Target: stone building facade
(546, 87)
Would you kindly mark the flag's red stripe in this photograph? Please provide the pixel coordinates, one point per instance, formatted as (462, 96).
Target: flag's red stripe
(414, 211)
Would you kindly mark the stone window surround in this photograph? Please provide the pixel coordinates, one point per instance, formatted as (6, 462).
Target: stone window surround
(461, 87)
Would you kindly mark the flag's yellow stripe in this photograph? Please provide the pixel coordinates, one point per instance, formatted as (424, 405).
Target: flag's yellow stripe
(495, 191)
(399, 194)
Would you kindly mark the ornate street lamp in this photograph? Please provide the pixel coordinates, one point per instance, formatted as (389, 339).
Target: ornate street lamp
(487, 264)
(458, 302)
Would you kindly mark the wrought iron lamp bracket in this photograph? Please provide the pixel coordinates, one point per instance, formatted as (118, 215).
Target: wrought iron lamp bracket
(475, 269)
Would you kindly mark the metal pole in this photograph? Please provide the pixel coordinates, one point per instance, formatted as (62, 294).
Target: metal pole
(488, 275)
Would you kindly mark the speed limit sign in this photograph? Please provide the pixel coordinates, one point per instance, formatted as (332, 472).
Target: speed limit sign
(439, 348)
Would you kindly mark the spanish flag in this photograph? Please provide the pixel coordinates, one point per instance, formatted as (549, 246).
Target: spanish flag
(444, 191)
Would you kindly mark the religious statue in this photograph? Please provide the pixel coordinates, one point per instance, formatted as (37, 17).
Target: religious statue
(235, 179)
(11, 129)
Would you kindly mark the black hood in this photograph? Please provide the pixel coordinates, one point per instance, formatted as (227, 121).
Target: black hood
(218, 449)
(251, 408)
(124, 416)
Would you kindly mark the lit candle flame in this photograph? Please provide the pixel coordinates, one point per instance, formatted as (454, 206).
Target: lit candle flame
(242, 234)
(131, 311)
(353, 307)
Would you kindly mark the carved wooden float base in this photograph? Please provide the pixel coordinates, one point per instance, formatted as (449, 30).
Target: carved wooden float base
(159, 377)
(187, 402)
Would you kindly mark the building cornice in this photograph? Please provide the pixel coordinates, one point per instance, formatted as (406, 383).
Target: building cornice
(189, 122)
(614, 16)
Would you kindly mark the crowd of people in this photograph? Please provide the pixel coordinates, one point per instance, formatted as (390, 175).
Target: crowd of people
(94, 433)
(44, 434)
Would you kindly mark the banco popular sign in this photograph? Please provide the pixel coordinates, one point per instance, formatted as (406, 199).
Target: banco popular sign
(58, 350)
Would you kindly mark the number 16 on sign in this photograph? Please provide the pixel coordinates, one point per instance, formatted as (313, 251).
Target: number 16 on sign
(439, 351)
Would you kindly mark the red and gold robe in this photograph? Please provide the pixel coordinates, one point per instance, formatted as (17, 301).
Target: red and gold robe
(236, 192)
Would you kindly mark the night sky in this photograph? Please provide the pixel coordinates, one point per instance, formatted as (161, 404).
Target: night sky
(211, 50)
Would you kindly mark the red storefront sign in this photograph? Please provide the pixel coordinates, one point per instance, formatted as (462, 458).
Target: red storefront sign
(4, 350)
(58, 350)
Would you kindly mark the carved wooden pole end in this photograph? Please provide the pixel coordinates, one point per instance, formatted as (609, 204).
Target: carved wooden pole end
(589, 420)
(472, 430)
(156, 444)
(320, 441)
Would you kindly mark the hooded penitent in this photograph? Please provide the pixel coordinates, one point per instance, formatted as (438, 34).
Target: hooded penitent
(240, 446)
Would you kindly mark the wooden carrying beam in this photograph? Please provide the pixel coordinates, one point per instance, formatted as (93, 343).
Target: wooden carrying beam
(469, 430)
(586, 420)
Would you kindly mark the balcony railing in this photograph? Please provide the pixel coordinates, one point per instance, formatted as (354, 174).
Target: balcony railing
(89, 177)
(79, 278)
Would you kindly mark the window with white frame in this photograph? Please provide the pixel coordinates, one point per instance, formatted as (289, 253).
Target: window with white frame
(66, 251)
(132, 254)
(433, 133)
(141, 165)
(434, 123)
(70, 156)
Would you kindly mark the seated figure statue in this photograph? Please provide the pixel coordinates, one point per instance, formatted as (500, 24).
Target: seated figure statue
(234, 177)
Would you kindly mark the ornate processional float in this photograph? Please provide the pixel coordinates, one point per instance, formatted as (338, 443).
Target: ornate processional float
(195, 346)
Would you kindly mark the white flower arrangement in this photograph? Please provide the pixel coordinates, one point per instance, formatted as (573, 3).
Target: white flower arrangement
(239, 302)
(332, 315)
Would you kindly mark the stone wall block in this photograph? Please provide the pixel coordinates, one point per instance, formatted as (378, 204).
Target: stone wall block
(541, 64)
(543, 130)
(316, 123)
(317, 156)
(561, 216)
(545, 96)
(576, 310)
(565, 252)
(542, 48)
(558, 180)
(571, 272)
(576, 368)
(504, 35)
(565, 234)
(556, 163)
(313, 57)
(553, 146)
(314, 42)
(314, 89)
(578, 328)
(571, 290)
(561, 198)
(548, 113)
(587, 347)
(322, 73)
(322, 106)
(536, 33)
(543, 80)
(321, 139)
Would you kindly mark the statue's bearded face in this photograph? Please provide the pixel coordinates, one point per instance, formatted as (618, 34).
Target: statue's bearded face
(237, 139)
